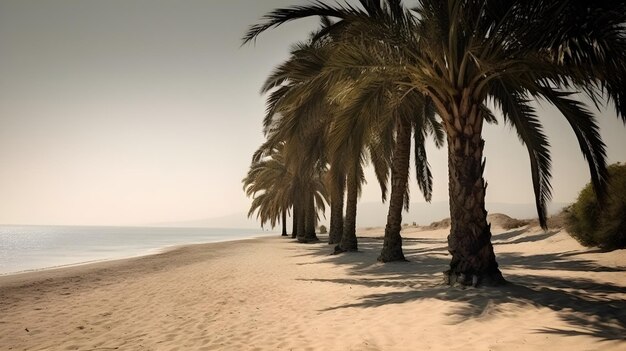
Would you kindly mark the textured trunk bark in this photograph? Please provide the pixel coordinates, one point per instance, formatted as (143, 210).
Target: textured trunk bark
(336, 211)
(301, 232)
(284, 222)
(473, 259)
(311, 218)
(348, 239)
(294, 224)
(392, 246)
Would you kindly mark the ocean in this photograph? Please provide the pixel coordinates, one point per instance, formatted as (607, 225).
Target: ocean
(27, 248)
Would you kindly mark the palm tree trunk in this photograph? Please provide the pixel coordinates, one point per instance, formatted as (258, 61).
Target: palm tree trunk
(311, 215)
(294, 225)
(473, 259)
(300, 233)
(336, 210)
(348, 239)
(392, 246)
(284, 222)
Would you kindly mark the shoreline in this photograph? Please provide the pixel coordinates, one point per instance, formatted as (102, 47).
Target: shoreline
(272, 293)
(88, 244)
(147, 253)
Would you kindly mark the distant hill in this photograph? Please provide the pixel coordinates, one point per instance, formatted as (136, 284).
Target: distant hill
(373, 214)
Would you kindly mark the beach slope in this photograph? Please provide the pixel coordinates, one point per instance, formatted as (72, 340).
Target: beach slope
(272, 293)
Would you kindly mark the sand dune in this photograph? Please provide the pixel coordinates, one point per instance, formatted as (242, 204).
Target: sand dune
(271, 293)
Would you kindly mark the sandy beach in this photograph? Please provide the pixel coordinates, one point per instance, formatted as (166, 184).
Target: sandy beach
(272, 293)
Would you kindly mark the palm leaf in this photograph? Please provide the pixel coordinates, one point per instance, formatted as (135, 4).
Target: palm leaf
(587, 132)
(522, 116)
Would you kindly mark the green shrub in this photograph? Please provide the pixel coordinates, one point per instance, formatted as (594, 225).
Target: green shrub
(593, 225)
(323, 229)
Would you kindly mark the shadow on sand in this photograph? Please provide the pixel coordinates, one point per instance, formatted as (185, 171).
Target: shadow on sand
(587, 306)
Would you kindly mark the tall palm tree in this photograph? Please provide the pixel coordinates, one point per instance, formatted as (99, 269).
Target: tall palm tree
(511, 52)
(460, 54)
(268, 182)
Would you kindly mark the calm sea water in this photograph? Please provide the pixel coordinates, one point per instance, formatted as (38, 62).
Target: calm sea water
(24, 248)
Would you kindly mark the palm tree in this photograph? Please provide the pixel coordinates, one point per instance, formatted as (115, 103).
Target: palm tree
(461, 55)
(511, 52)
(267, 182)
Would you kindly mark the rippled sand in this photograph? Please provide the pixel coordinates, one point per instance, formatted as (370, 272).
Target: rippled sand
(272, 293)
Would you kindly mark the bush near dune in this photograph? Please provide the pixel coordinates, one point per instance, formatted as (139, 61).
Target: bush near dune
(604, 226)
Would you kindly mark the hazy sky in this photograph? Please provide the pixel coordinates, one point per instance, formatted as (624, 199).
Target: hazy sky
(143, 111)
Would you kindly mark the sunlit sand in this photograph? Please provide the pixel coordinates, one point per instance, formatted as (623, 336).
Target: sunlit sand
(271, 293)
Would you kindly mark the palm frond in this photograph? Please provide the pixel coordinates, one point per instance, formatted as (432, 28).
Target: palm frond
(583, 122)
(517, 112)
(280, 16)
(488, 115)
